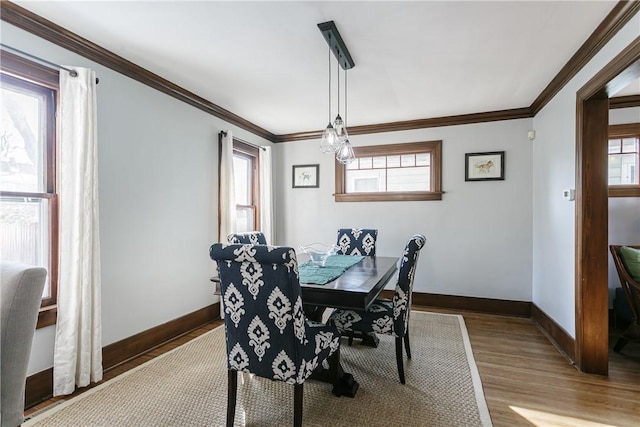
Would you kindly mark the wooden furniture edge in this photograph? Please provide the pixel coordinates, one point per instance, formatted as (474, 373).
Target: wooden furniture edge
(554, 333)
(39, 386)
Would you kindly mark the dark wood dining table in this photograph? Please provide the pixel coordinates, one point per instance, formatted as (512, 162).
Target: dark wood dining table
(355, 289)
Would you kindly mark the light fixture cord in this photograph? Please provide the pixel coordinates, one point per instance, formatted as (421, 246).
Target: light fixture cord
(345, 98)
(338, 87)
(329, 84)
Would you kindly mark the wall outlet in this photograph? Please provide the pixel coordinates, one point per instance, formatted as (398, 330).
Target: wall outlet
(569, 194)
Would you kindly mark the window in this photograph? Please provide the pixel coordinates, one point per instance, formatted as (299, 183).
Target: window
(247, 186)
(624, 160)
(28, 200)
(396, 172)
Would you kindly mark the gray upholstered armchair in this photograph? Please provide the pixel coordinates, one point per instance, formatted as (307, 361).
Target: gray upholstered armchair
(22, 287)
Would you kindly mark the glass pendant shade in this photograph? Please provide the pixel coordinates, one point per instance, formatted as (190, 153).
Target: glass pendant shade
(341, 129)
(345, 153)
(329, 143)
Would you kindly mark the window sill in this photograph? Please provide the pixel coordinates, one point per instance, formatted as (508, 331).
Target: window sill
(47, 316)
(389, 197)
(624, 191)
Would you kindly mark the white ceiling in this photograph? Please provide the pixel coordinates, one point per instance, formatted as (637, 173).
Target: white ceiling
(268, 62)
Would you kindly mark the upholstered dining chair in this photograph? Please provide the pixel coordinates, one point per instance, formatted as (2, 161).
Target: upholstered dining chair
(21, 295)
(385, 316)
(627, 262)
(357, 241)
(248, 238)
(267, 332)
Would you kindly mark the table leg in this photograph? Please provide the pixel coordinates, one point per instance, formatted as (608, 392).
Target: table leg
(314, 312)
(347, 386)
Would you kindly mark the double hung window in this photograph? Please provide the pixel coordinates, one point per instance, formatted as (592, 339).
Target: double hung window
(28, 199)
(624, 160)
(246, 161)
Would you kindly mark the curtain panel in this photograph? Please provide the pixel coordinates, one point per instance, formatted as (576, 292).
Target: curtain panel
(227, 188)
(266, 195)
(78, 341)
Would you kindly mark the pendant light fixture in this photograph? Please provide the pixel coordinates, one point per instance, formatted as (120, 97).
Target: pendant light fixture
(335, 138)
(338, 123)
(345, 154)
(329, 143)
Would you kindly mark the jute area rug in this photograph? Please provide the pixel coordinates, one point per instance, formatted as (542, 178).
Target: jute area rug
(188, 387)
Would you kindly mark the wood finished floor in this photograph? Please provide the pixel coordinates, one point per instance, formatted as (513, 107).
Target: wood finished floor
(526, 381)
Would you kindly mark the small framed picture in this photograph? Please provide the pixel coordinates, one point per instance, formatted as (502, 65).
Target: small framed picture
(484, 166)
(306, 176)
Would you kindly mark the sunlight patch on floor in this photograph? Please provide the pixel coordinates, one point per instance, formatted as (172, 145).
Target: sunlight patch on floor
(545, 419)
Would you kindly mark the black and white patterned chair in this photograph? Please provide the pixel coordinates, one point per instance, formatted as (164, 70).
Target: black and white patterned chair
(267, 333)
(248, 238)
(385, 316)
(357, 241)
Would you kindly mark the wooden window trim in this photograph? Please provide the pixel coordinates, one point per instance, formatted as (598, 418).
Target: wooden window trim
(47, 316)
(622, 131)
(434, 147)
(24, 70)
(624, 191)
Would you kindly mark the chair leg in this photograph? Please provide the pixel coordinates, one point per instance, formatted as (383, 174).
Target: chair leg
(632, 333)
(620, 344)
(297, 404)
(232, 388)
(334, 366)
(351, 333)
(406, 344)
(399, 359)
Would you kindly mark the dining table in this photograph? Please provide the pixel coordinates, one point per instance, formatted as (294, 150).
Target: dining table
(356, 288)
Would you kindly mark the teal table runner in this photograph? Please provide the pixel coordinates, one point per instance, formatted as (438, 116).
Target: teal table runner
(334, 266)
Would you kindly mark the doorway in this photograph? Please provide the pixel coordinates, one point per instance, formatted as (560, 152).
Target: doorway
(592, 121)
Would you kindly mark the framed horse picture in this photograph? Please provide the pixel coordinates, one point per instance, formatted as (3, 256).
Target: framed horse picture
(306, 176)
(484, 166)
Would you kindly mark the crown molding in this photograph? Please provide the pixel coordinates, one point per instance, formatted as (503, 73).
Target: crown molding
(461, 119)
(43, 28)
(621, 13)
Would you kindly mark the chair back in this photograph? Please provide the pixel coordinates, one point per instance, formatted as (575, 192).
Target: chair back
(21, 295)
(357, 241)
(630, 286)
(248, 238)
(404, 287)
(264, 319)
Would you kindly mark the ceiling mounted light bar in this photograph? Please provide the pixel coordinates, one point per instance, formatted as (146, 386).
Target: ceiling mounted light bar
(339, 49)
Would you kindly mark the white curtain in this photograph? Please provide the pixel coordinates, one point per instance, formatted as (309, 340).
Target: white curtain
(78, 344)
(227, 189)
(266, 195)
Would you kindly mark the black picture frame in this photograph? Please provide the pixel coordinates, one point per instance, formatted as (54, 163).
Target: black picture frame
(305, 176)
(487, 166)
